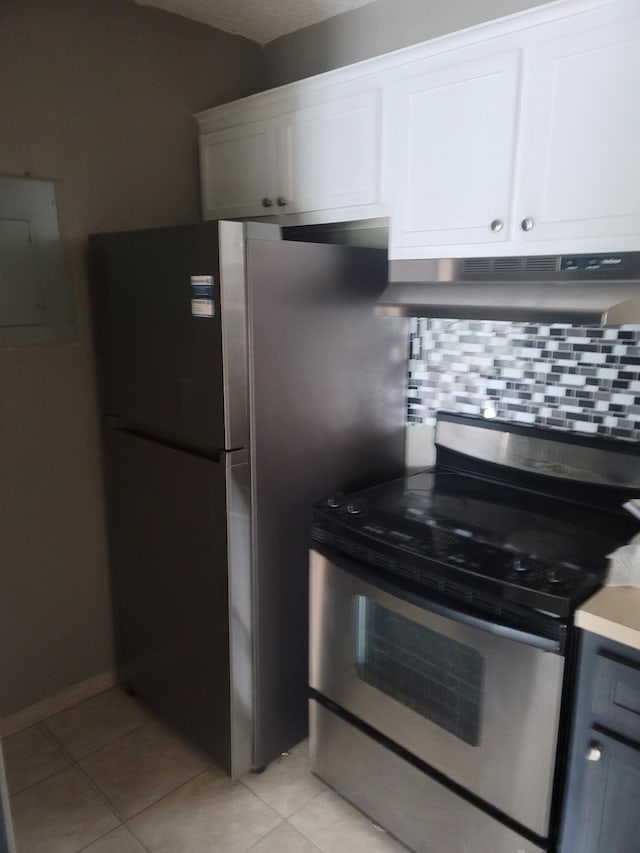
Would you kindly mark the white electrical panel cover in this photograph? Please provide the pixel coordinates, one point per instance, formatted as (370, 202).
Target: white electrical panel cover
(36, 305)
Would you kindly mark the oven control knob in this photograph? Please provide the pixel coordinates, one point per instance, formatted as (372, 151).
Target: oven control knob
(334, 501)
(556, 576)
(520, 564)
(354, 508)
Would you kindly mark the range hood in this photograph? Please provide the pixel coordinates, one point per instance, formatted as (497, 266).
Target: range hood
(601, 290)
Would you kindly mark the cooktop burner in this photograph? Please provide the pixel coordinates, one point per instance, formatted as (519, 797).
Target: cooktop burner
(445, 529)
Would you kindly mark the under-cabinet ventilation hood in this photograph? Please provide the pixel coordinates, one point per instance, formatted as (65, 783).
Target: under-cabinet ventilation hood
(579, 289)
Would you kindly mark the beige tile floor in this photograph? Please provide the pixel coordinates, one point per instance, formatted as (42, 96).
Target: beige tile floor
(106, 777)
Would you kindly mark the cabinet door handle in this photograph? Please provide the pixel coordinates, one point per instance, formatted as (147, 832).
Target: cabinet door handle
(282, 201)
(594, 752)
(267, 202)
(527, 224)
(497, 225)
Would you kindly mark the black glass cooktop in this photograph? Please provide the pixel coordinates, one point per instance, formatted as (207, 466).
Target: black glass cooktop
(445, 527)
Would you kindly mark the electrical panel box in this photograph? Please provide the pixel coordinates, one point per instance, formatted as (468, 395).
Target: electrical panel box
(36, 304)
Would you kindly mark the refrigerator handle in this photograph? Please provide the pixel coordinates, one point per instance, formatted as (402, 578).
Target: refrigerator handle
(116, 424)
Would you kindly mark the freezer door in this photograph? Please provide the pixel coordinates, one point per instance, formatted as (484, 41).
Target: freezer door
(169, 554)
(163, 351)
(327, 414)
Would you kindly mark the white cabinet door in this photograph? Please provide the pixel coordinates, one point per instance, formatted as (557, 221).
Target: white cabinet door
(238, 170)
(579, 165)
(454, 153)
(329, 154)
(322, 158)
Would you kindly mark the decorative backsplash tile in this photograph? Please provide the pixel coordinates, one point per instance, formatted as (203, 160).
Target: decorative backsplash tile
(574, 378)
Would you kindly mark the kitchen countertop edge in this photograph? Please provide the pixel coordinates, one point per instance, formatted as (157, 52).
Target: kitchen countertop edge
(614, 613)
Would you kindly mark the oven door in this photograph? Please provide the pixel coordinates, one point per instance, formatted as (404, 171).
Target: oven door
(475, 701)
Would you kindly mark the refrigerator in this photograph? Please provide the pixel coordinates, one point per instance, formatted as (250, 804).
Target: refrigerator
(242, 377)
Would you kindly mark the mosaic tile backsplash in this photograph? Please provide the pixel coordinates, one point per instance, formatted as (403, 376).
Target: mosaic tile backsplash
(575, 378)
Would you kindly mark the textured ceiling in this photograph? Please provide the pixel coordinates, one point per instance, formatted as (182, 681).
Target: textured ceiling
(259, 20)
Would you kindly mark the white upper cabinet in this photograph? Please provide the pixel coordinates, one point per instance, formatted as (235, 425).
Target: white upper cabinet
(237, 170)
(579, 169)
(520, 136)
(329, 153)
(540, 141)
(315, 151)
(454, 124)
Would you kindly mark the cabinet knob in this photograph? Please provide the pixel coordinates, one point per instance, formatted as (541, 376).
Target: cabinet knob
(527, 224)
(267, 202)
(282, 201)
(497, 225)
(594, 752)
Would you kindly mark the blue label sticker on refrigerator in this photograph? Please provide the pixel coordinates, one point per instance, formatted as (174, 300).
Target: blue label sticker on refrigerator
(202, 303)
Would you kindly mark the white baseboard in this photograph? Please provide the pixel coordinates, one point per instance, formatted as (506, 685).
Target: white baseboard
(66, 698)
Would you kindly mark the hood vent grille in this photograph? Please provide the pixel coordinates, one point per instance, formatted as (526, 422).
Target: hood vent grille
(511, 265)
(472, 267)
(541, 264)
(598, 289)
(477, 266)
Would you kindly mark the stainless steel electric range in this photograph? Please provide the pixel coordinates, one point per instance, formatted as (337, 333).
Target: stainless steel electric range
(441, 641)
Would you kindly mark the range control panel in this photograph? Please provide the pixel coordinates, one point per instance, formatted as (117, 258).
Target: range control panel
(593, 263)
(427, 551)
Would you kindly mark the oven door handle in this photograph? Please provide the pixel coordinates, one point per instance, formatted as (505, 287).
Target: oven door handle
(461, 616)
(516, 635)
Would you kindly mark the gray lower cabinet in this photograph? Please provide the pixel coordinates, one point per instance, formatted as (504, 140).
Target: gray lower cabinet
(601, 814)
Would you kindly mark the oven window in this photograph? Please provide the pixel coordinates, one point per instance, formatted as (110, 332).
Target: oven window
(438, 677)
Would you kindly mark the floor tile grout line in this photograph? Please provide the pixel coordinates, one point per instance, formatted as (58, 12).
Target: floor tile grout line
(262, 837)
(96, 784)
(164, 797)
(58, 745)
(13, 794)
(305, 804)
(225, 778)
(79, 770)
(355, 808)
(75, 764)
(95, 840)
(60, 752)
(306, 838)
(101, 793)
(119, 814)
(277, 826)
(102, 746)
(284, 817)
(122, 826)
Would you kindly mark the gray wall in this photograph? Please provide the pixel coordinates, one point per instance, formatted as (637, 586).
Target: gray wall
(375, 29)
(97, 95)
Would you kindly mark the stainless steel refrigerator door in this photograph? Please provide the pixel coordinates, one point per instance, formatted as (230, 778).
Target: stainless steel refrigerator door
(327, 413)
(176, 520)
(171, 351)
(478, 707)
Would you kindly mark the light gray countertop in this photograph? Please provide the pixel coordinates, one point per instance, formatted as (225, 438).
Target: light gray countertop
(614, 612)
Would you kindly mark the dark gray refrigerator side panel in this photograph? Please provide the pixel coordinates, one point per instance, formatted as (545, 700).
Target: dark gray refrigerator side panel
(327, 414)
(7, 843)
(160, 363)
(168, 543)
